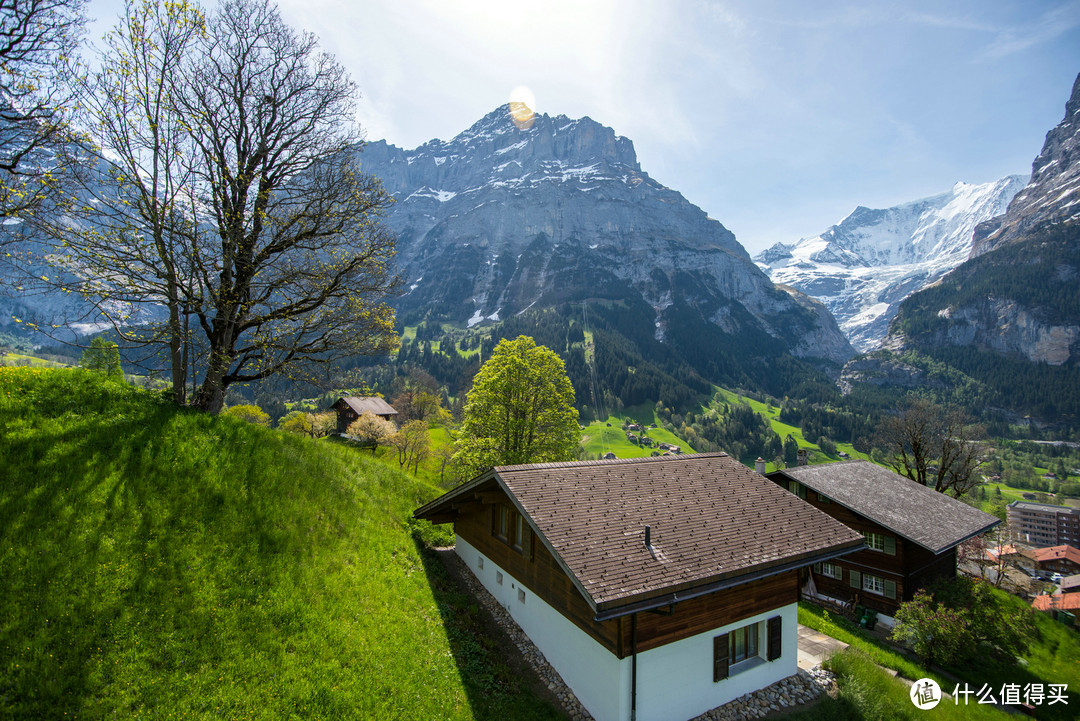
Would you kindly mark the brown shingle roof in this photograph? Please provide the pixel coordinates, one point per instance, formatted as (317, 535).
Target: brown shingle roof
(916, 512)
(369, 404)
(713, 521)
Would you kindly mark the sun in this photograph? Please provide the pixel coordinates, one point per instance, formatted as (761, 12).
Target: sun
(522, 107)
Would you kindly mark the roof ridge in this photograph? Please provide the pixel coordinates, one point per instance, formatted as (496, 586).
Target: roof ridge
(611, 461)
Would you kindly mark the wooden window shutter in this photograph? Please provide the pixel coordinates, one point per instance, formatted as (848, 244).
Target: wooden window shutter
(775, 638)
(494, 519)
(526, 540)
(855, 579)
(720, 657)
(890, 545)
(890, 588)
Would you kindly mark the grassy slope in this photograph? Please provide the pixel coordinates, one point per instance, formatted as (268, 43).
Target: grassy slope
(599, 438)
(772, 414)
(1053, 657)
(160, 563)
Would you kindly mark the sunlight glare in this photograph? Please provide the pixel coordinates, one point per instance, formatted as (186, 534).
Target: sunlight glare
(522, 107)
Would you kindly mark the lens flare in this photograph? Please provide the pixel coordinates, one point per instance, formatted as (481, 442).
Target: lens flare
(522, 107)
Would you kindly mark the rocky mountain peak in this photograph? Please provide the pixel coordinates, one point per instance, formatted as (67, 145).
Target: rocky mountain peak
(1052, 195)
(865, 265)
(510, 216)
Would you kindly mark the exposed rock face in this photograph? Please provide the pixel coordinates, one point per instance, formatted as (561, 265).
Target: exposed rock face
(865, 265)
(1053, 194)
(501, 219)
(1009, 317)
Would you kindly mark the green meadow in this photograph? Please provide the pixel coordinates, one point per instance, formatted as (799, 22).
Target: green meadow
(161, 563)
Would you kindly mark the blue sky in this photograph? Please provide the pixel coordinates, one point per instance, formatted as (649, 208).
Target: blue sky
(776, 118)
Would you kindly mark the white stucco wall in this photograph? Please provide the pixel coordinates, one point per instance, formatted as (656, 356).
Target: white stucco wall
(674, 682)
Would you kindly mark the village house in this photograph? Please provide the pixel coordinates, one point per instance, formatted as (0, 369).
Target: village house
(1056, 559)
(911, 532)
(658, 588)
(349, 408)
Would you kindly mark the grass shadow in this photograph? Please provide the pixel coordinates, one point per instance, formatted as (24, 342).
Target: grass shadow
(498, 681)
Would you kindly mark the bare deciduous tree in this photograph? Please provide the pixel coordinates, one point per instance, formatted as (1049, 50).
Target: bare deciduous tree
(38, 43)
(300, 262)
(933, 445)
(237, 204)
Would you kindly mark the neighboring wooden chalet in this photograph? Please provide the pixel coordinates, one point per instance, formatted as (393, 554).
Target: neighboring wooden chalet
(658, 588)
(911, 531)
(349, 408)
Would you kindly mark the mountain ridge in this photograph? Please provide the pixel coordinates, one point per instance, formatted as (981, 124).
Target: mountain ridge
(863, 266)
(501, 218)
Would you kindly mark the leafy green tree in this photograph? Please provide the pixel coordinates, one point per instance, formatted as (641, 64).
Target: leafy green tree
(791, 451)
(519, 410)
(412, 444)
(248, 412)
(938, 634)
(104, 357)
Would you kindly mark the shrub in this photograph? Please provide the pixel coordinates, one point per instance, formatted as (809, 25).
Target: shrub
(248, 412)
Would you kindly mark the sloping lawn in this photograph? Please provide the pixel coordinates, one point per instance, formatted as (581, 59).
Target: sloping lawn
(159, 563)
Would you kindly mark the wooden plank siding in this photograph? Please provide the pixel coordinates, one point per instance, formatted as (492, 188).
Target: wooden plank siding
(713, 610)
(540, 573)
(910, 568)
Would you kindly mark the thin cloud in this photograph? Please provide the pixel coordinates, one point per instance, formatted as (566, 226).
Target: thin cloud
(1051, 25)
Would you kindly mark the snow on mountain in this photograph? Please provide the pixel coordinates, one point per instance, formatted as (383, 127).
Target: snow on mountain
(865, 265)
(1052, 196)
(502, 218)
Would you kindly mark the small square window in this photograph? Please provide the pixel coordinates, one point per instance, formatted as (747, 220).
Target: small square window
(832, 570)
(521, 596)
(498, 577)
(480, 563)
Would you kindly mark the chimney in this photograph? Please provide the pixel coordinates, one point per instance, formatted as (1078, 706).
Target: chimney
(759, 465)
(648, 537)
(804, 456)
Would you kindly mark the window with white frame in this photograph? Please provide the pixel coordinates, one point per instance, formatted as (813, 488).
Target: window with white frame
(873, 584)
(880, 542)
(832, 570)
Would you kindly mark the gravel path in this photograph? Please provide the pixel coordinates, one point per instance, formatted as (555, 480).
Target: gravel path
(802, 688)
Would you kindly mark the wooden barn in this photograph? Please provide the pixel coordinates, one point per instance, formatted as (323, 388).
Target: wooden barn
(659, 588)
(911, 531)
(349, 408)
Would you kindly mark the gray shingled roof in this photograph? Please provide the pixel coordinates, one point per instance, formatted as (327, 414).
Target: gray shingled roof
(712, 520)
(1041, 507)
(369, 404)
(913, 511)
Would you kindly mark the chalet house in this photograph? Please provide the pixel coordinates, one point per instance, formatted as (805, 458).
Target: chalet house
(349, 408)
(1056, 559)
(911, 532)
(658, 588)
